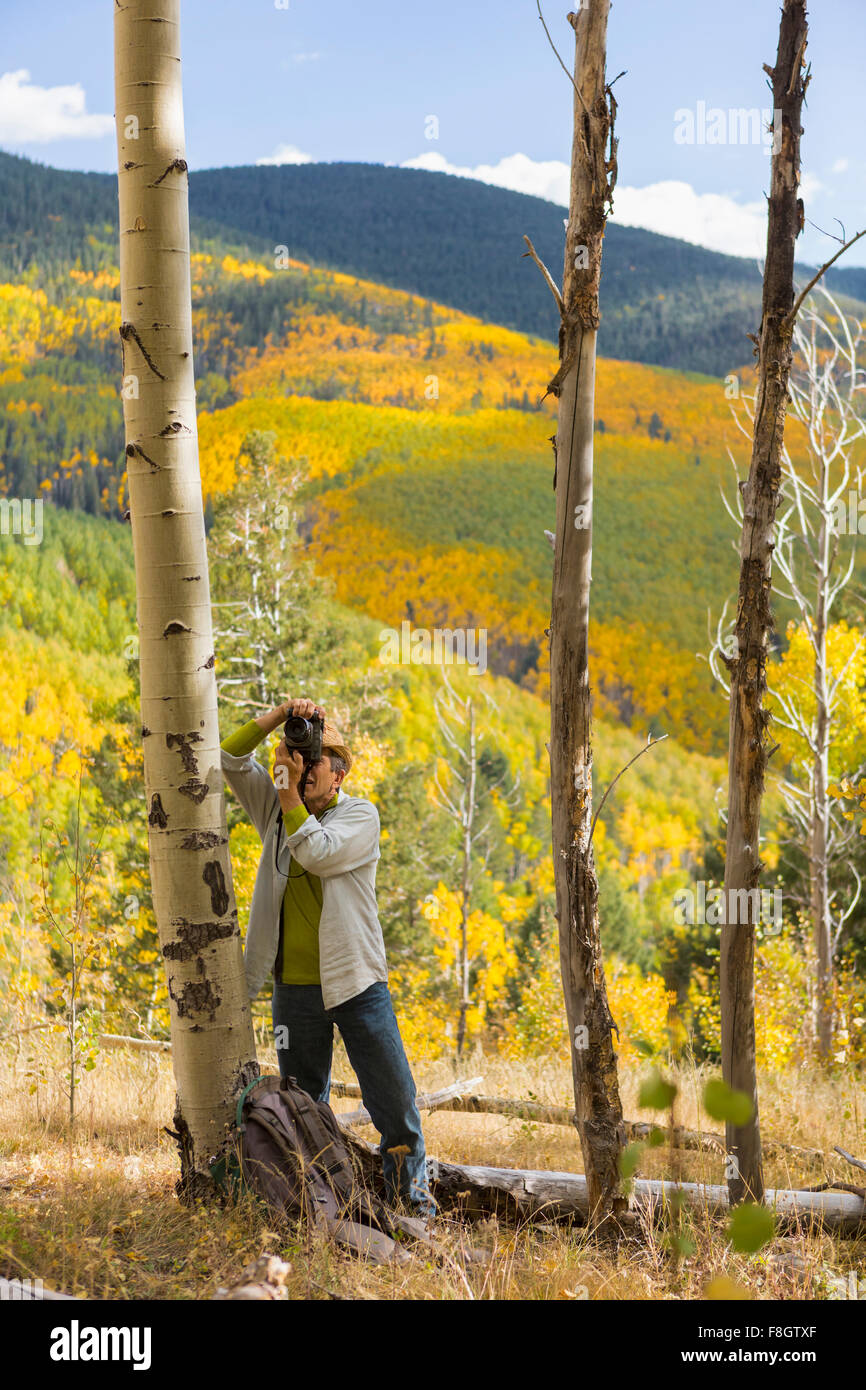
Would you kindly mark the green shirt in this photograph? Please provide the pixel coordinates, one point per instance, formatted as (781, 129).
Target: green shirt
(302, 900)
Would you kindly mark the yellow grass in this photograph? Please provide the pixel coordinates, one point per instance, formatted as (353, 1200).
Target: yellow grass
(96, 1214)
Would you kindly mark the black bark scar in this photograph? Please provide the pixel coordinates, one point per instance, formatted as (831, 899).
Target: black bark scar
(183, 742)
(195, 790)
(129, 331)
(215, 880)
(193, 937)
(203, 839)
(196, 997)
(132, 449)
(179, 164)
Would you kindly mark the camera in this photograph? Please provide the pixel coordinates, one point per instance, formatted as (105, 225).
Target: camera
(304, 736)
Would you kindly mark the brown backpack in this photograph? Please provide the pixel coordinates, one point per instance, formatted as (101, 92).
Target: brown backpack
(291, 1152)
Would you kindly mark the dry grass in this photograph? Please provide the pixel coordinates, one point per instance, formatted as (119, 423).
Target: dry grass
(95, 1214)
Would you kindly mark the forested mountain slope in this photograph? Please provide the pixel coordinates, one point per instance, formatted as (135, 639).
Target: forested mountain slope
(453, 240)
(425, 439)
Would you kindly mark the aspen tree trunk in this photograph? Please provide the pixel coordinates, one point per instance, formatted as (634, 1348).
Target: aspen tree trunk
(213, 1048)
(748, 751)
(598, 1109)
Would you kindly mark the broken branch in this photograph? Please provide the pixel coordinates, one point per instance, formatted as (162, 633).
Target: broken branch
(789, 319)
(552, 285)
(650, 743)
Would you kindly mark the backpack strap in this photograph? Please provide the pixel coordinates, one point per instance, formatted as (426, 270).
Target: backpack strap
(330, 1153)
(239, 1112)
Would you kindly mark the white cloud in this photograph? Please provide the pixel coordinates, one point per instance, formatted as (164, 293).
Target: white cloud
(672, 208)
(306, 57)
(35, 115)
(713, 220)
(544, 178)
(286, 154)
(840, 166)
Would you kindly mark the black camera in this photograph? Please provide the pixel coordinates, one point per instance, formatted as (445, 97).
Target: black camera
(304, 736)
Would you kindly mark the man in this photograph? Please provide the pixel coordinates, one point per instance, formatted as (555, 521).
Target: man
(314, 923)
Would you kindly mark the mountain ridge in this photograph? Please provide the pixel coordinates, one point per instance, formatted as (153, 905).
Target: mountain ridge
(453, 240)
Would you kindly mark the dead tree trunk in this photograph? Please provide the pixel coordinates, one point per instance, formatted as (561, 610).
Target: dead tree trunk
(598, 1108)
(748, 750)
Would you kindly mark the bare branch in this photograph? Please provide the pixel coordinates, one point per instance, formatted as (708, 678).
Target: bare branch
(650, 743)
(561, 63)
(789, 320)
(554, 288)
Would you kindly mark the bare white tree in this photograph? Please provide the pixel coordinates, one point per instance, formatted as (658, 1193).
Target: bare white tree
(255, 560)
(813, 570)
(457, 723)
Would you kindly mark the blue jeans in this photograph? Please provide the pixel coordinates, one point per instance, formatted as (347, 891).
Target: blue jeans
(368, 1027)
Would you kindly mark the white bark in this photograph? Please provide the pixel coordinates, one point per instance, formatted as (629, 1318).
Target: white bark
(812, 574)
(213, 1049)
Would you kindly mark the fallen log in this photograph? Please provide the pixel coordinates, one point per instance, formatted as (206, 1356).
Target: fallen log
(454, 1097)
(476, 1191)
(436, 1100)
(679, 1137)
(105, 1039)
(548, 1114)
(857, 1162)
(143, 1044)
(564, 1194)
(540, 1113)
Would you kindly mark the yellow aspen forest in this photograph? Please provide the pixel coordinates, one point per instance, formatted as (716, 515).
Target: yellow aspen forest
(326, 536)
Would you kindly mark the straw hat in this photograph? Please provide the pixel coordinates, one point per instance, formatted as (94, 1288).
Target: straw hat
(332, 742)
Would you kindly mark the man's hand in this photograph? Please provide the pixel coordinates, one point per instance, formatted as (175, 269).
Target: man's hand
(288, 767)
(305, 708)
(280, 713)
(288, 771)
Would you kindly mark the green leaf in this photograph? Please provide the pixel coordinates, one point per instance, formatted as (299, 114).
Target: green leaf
(642, 1046)
(721, 1103)
(680, 1244)
(750, 1227)
(656, 1093)
(656, 1138)
(629, 1160)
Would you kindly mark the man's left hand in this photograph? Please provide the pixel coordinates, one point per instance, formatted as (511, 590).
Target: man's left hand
(288, 768)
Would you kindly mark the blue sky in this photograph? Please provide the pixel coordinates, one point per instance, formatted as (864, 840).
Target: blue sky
(350, 81)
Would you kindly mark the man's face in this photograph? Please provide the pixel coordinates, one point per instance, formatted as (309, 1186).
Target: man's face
(321, 781)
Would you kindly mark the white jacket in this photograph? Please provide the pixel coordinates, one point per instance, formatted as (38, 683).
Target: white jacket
(341, 850)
